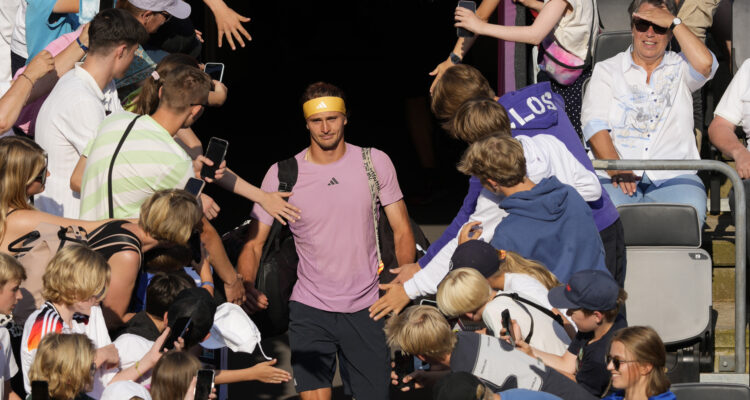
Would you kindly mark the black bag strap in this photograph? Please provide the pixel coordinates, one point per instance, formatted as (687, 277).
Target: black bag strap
(110, 199)
(288, 170)
(521, 301)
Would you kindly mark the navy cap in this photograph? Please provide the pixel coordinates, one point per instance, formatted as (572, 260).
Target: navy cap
(590, 289)
(457, 386)
(478, 255)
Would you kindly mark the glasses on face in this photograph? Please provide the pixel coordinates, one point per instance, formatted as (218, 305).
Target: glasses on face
(641, 25)
(42, 177)
(167, 16)
(616, 362)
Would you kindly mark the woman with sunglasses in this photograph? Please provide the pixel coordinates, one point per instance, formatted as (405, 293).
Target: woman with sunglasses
(637, 360)
(639, 106)
(23, 172)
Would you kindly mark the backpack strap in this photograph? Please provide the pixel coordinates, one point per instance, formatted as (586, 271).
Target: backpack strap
(110, 198)
(521, 301)
(287, 174)
(372, 179)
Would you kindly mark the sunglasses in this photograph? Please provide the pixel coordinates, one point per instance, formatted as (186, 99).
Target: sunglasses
(42, 177)
(616, 362)
(641, 25)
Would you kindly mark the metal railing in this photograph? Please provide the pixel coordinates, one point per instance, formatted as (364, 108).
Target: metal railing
(740, 231)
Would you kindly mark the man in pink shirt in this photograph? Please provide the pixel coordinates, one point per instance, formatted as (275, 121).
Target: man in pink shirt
(338, 265)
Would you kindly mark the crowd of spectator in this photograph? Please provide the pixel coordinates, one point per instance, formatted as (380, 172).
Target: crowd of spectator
(112, 277)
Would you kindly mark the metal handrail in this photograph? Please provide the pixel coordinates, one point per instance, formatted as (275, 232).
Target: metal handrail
(740, 231)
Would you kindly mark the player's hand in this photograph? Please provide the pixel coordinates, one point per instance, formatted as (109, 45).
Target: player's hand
(235, 291)
(394, 300)
(405, 272)
(267, 373)
(256, 301)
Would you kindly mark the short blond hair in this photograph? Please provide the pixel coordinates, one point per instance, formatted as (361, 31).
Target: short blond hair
(517, 264)
(478, 118)
(498, 158)
(458, 84)
(64, 361)
(76, 273)
(420, 330)
(170, 215)
(10, 270)
(462, 291)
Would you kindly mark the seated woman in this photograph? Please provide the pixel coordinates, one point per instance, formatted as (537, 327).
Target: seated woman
(22, 174)
(638, 105)
(637, 361)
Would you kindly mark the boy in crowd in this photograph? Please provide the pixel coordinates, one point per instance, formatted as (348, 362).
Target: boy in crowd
(548, 222)
(593, 300)
(424, 332)
(11, 276)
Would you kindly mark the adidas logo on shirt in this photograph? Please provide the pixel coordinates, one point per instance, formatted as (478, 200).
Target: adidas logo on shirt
(332, 182)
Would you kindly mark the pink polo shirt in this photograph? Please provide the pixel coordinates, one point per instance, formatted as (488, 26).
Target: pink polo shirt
(335, 238)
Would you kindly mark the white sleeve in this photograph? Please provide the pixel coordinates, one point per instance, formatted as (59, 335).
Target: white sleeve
(547, 156)
(425, 282)
(730, 106)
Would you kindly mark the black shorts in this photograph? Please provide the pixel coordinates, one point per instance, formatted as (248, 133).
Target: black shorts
(316, 337)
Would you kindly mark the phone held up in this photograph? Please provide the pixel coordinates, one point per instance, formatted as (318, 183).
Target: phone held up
(204, 384)
(216, 151)
(461, 32)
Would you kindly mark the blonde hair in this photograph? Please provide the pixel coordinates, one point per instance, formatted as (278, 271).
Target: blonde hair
(646, 347)
(459, 83)
(420, 330)
(64, 361)
(517, 264)
(21, 161)
(10, 270)
(170, 215)
(479, 118)
(463, 290)
(498, 158)
(76, 273)
(172, 375)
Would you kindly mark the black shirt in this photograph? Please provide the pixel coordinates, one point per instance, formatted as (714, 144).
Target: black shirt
(140, 325)
(591, 368)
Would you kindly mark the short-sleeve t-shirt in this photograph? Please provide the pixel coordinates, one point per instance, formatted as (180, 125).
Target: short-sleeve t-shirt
(735, 103)
(591, 369)
(335, 238)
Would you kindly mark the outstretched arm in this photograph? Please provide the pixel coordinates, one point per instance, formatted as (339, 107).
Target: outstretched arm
(228, 23)
(248, 262)
(548, 17)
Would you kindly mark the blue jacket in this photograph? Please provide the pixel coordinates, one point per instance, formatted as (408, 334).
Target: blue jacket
(664, 396)
(552, 224)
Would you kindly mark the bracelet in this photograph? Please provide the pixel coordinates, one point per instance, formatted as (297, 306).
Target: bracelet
(30, 81)
(209, 284)
(82, 46)
(136, 368)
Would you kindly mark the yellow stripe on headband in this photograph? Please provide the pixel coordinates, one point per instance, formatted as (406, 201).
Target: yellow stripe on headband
(323, 104)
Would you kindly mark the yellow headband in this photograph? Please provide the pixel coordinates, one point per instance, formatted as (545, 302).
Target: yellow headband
(323, 104)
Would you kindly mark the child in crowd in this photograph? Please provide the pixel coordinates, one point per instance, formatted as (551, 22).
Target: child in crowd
(465, 292)
(173, 374)
(593, 300)
(424, 332)
(65, 362)
(637, 361)
(11, 275)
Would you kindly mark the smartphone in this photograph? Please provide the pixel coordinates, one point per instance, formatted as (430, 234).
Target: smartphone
(194, 186)
(468, 325)
(505, 315)
(404, 365)
(461, 32)
(204, 384)
(214, 70)
(39, 390)
(179, 329)
(216, 151)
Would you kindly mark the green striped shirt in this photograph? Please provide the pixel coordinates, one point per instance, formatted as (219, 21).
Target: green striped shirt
(149, 160)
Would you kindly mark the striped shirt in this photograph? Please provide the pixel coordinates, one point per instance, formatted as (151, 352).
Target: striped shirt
(149, 160)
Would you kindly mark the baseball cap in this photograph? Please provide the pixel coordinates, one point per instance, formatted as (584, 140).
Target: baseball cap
(590, 289)
(176, 8)
(197, 304)
(478, 255)
(457, 386)
(234, 329)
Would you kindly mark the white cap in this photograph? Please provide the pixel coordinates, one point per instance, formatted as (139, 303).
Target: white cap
(234, 329)
(176, 8)
(125, 390)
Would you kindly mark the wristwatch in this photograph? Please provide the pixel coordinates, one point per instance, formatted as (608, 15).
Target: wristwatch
(676, 21)
(455, 59)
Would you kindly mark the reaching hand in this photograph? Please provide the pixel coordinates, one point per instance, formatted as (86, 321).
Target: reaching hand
(470, 231)
(394, 300)
(198, 163)
(265, 372)
(468, 20)
(276, 205)
(229, 23)
(40, 65)
(405, 272)
(439, 71)
(235, 291)
(107, 356)
(210, 208)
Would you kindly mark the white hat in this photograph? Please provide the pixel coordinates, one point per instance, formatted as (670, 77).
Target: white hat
(177, 8)
(234, 329)
(125, 390)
